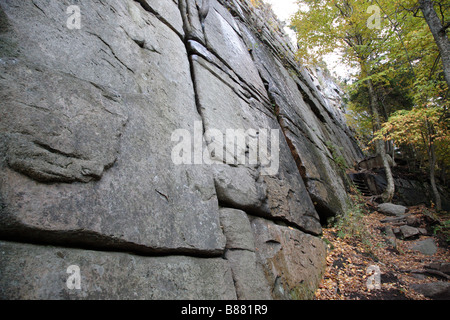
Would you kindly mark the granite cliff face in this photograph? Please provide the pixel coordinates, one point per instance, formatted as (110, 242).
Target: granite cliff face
(88, 178)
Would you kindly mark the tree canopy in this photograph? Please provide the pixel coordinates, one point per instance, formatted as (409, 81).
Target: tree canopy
(401, 51)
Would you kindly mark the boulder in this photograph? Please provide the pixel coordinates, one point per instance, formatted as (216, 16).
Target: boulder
(442, 267)
(413, 221)
(427, 246)
(439, 269)
(408, 232)
(423, 231)
(392, 209)
(436, 290)
(391, 236)
(445, 267)
(394, 219)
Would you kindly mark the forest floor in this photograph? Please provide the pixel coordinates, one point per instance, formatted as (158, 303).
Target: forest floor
(352, 250)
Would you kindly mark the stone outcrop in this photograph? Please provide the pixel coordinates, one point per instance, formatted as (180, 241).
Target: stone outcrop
(88, 176)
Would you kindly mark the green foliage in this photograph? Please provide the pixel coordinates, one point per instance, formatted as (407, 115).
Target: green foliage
(421, 129)
(351, 225)
(257, 3)
(324, 26)
(443, 230)
(361, 123)
(337, 157)
(302, 292)
(422, 52)
(400, 59)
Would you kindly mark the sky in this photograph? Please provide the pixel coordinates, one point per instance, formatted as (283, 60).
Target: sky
(284, 9)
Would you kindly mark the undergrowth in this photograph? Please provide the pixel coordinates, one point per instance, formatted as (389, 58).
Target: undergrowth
(337, 157)
(350, 225)
(443, 230)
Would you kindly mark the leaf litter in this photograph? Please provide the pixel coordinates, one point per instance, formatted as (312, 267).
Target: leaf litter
(349, 257)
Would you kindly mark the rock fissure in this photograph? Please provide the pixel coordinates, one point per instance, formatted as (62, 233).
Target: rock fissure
(324, 212)
(147, 7)
(103, 188)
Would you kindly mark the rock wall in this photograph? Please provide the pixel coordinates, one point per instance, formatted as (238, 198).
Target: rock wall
(88, 177)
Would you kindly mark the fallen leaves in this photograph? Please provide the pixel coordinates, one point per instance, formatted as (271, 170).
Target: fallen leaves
(349, 258)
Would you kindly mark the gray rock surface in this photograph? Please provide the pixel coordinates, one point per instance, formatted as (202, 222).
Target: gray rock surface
(409, 232)
(306, 127)
(435, 290)
(248, 276)
(391, 236)
(109, 275)
(68, 128)
(237, 229)
(427, 246)
(218, 100)
(52, 139)
(292, 260)
(247, 271)
(87, 125)
(392, 209)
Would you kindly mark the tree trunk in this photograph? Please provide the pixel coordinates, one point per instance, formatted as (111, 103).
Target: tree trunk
(439, 34)
(380, 145)
(437, 196)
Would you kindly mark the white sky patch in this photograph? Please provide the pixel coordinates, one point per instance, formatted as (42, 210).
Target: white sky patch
(284, 9)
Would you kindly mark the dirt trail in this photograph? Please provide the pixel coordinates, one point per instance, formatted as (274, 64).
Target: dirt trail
(351, 253)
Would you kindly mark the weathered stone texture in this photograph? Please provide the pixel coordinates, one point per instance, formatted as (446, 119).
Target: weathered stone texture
(110, 106)
(109, 275)
(87, 118)
(292, 260)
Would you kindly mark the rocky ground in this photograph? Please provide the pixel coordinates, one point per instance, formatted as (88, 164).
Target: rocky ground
(391, 242)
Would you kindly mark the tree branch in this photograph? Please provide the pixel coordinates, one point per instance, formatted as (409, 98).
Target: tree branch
(445, 26)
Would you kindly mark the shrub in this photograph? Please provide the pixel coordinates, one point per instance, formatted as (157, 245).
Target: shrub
(351, 226)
